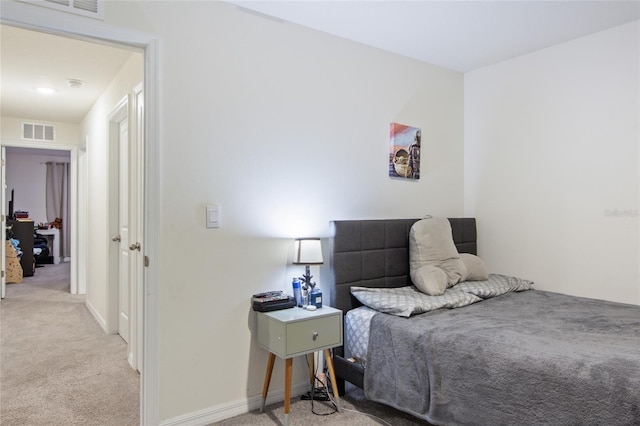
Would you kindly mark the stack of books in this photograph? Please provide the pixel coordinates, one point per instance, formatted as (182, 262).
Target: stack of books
(272, 301)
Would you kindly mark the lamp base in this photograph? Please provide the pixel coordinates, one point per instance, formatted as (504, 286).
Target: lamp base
(306, 279)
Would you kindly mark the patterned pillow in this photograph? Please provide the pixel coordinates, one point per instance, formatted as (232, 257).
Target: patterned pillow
(407, 301)
(495, 286)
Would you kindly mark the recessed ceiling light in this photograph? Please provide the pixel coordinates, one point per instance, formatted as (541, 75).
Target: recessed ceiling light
(45, 90)
(75, 83)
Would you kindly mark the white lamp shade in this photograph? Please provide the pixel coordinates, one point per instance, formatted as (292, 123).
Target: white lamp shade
(307, 251)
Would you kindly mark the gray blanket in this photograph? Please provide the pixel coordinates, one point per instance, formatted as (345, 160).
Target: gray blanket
(530, 358)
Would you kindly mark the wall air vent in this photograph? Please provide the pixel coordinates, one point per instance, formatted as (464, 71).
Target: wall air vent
(91, 8)
(38, 132)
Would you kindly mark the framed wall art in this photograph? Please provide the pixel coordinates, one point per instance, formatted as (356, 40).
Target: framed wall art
(404, 151)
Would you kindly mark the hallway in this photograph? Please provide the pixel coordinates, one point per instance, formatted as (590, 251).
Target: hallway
(57, 366)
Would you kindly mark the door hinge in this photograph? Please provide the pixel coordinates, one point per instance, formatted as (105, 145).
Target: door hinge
(146, 261)
(2, 274)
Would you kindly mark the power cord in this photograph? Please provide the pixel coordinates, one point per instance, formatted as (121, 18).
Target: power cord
(331, 397)
(320, 394)
(323, 394)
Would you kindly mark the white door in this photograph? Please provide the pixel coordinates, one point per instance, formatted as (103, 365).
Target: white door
(3, 211)
(124, 287)
(125, 295)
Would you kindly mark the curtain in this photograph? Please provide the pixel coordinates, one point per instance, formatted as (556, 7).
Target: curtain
(58, 202)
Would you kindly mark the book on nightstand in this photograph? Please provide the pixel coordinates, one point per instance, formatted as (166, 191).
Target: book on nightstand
(272, 301)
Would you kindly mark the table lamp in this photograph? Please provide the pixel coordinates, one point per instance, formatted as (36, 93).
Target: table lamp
(308, 251)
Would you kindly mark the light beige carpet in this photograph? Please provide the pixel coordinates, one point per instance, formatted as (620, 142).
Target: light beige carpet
(57, 366)
(356, 411)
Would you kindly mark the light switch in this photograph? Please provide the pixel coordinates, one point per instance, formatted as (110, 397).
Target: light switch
(213, 216)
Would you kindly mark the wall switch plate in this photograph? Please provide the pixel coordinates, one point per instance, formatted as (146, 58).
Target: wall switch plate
(214, 219)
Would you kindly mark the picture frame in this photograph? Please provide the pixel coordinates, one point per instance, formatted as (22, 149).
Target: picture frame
(404, 151)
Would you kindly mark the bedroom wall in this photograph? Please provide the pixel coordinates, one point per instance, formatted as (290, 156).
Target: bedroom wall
(95, 130)
(551, 165)
(286, 129)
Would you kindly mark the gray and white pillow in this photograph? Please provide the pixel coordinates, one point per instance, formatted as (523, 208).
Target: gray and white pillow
(407, 301)
(496, 285)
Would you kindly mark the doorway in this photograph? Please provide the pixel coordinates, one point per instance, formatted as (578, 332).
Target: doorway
(23, 180)
(81, 175)
(20, 15)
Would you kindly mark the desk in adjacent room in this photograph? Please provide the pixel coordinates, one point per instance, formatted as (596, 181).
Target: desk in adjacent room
(53, 241)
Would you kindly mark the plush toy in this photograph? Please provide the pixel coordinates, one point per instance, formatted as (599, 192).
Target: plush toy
(57, 223)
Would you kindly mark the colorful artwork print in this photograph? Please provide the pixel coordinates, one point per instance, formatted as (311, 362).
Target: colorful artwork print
(404, 154)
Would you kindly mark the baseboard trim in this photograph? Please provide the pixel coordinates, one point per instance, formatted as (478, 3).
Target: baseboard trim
(96, 315)
(231, 409)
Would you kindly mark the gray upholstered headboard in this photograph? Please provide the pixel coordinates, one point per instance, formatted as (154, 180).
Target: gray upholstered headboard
(375, 253)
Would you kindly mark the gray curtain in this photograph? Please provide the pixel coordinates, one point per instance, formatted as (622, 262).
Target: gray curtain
(58, 202)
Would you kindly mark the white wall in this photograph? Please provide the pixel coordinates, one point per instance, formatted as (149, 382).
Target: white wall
(26, 174)
(551, 165)
(95, 132)
(286, 129)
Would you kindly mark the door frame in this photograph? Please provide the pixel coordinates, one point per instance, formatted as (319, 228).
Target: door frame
(73, 200)
(67, 25)
(3, 219)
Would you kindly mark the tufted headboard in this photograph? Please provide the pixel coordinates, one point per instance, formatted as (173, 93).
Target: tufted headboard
(375, 253)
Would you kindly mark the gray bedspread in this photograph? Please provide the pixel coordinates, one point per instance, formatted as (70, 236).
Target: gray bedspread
(529, 358)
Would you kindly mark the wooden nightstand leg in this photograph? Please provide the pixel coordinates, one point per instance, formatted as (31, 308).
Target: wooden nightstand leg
(332, 375)
(288, 363)
(311, 361)
(267, 379)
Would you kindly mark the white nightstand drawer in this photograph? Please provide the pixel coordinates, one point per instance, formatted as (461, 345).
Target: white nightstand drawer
(292, 332)
(307, 336)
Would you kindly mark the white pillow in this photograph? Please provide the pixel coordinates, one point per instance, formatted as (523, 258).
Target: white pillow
(476, 269)
(431, 244)
(430, 280)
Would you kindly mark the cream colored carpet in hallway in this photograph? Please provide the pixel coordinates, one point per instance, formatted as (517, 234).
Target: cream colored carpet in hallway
(57, 366)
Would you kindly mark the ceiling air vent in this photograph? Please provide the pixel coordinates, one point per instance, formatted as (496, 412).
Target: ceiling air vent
(91, 8)
(38, 132)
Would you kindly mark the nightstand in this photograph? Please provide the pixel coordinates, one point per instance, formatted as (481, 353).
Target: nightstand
(291, 332)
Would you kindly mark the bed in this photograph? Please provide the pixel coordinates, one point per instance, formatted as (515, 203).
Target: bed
(522, 357)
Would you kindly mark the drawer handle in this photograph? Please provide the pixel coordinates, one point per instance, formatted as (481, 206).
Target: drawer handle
(315, 335)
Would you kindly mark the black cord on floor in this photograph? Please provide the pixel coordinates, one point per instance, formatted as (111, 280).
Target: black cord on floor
(323, 390)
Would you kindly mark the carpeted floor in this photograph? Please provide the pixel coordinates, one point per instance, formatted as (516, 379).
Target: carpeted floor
(356, 411)
(57, 366)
